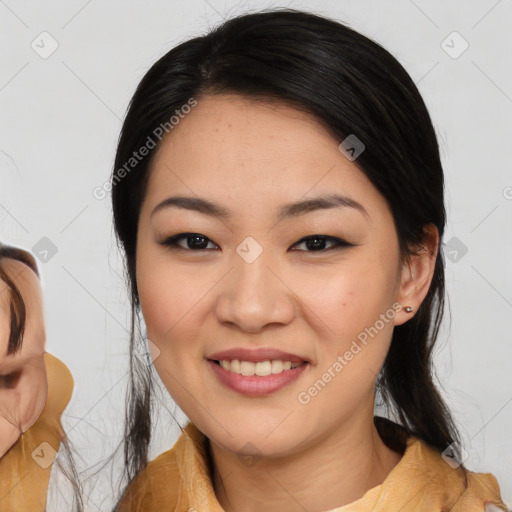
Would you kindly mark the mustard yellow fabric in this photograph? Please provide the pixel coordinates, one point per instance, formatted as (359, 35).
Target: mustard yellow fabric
(179, 480)
(25, 468)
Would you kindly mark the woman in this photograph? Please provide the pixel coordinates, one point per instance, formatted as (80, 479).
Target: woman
(278, 195)
(35, 388)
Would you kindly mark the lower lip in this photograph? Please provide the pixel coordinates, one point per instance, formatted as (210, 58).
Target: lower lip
(254, 384)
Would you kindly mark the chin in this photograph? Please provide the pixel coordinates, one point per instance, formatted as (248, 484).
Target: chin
(256, 438)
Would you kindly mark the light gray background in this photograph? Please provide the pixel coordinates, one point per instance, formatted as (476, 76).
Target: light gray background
(60, 119)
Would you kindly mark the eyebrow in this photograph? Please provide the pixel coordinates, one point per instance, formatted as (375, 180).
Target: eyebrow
(287, 211)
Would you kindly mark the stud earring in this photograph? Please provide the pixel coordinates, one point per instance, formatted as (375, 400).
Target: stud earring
(408, 309)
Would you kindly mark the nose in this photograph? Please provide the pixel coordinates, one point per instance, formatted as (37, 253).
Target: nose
(254, 295)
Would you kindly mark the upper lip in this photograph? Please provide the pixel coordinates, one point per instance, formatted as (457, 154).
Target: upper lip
(256, 355)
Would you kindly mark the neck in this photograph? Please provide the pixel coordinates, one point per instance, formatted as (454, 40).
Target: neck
(313, 479)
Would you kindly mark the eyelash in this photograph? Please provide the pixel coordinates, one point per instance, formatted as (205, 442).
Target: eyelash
(172, 242)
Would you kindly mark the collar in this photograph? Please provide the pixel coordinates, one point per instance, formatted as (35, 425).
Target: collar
(422, 481)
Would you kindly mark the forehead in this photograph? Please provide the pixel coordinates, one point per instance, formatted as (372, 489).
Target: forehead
(238, 149)
(221, 132)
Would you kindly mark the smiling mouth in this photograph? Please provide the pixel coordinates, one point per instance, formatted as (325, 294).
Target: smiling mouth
(261, 368)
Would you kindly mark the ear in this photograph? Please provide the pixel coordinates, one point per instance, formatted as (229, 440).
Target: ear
(417, 273)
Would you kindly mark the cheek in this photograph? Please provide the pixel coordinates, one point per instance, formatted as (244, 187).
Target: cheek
(158, 293)
(171, 293)
(350, 307)
(347, 298)
(175, 303)
(166, 297)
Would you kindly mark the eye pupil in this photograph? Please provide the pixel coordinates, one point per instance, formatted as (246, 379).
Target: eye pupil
(316, 243)
(192, 239)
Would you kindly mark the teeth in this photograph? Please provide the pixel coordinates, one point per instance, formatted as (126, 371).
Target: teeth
(247, 367)
(262, 368)
(234, 366)
(277, 366)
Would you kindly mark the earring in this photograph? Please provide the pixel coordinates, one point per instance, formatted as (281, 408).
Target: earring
(408, 309)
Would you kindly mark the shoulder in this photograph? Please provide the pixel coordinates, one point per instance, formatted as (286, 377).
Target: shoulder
(155, 487)
(60, 388)
(482, 493)
(470, 491)
(427, 479)
(163, 483)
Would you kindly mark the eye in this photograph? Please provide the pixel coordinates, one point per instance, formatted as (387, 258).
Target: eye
(193, 241)
(317, 243)
(198, 242)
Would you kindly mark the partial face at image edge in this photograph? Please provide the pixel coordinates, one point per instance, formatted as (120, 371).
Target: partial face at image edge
(23, 382)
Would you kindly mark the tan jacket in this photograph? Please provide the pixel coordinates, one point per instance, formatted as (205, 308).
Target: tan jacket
(179, 480)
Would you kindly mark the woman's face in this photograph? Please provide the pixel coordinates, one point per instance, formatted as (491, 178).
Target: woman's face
(23, 384)
(249, 284)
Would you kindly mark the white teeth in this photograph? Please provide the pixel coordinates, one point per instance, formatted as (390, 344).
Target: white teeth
(234, 366)
(262, 368)
(247, 367)
(277, 366)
